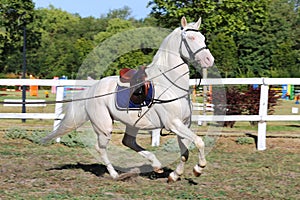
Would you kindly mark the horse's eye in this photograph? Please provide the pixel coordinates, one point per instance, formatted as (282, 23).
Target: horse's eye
(191, 37)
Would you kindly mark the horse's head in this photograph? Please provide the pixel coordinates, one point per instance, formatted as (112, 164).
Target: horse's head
(193, 47)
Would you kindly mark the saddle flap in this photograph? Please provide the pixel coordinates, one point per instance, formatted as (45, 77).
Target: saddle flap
(127, 74)
(127, 100)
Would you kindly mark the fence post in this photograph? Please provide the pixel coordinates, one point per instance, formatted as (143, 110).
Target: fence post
(58, 107)
(263, 112)
(155, 137)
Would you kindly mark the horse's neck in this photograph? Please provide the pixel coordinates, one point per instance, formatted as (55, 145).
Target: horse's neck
(169, 68)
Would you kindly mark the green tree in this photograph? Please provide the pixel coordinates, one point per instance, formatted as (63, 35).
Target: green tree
(57, 55)
(219, 16)
(14, 16)
(254, 53)
(169, 12)
(123, 45)
(114, 26)
(223, 22)
(68, 39)
(122, 13)
(284, 24)
(270, 49)
(131, 47)
(227, 62)
(262, 35)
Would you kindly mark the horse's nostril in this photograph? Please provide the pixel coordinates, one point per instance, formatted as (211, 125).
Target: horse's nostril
(209, 60)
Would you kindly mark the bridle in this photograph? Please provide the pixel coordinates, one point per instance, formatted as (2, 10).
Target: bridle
(191, 60)
(192, 54)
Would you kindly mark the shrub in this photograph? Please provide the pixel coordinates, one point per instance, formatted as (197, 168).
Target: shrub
(240, 101)
(71, 140)
(37, 135)
(15, 133)
(251, 102)
(231, 105)
(244, 140)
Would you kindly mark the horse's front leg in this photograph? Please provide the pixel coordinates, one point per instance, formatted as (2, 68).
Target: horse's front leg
(202, 161)
(129, 140)
(184, 152)
(183, 131)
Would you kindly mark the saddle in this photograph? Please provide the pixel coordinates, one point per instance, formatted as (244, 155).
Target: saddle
(135, 79)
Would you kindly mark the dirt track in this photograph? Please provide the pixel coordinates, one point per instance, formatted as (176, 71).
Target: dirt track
(31, 171)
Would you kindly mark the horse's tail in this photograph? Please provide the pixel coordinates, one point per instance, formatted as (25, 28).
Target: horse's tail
(75, 116)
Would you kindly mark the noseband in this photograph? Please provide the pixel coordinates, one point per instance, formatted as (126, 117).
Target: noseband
(192, 54)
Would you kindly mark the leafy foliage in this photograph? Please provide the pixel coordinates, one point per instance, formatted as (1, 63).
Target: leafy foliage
(251, 98)
(242, 101)
(248, 38)
(267, 48)
(227, 16)
(227, 62)
(71, 140)
(129, 48)
(244, 140)
(15, 15)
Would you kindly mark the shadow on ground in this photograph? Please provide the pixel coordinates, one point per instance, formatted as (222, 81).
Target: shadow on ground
(100, 170)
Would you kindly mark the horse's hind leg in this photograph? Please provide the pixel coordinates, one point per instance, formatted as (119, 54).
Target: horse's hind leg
(129, 140)
(103, 127)
(101, 147)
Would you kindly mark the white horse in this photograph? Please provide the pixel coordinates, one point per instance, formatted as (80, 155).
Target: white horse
(171, 109)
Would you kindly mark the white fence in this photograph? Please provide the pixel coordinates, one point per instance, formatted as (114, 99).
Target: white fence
(37, 102)
(42, 82)
(262, 117)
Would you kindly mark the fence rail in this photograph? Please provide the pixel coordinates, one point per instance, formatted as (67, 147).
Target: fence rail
(13, 102)
(262, 117)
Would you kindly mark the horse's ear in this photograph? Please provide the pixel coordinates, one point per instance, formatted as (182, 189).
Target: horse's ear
(183, 22)
(198, 23)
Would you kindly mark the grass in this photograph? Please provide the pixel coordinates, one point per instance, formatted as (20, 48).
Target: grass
(234, 171)
(18, 95)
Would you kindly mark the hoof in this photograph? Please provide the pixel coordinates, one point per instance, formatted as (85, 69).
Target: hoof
(114, 177)
(197, 170)
(197, 174)
(158, 170)
(173, 177)
(171, 180)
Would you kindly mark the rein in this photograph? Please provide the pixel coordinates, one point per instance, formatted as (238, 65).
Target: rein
(185, 61)
(93, 97)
